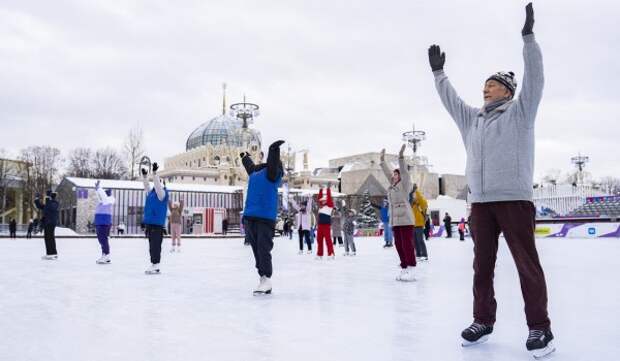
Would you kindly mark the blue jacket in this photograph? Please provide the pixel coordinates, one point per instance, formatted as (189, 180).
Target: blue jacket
(262, 198)
(155, 211)
(50, 211)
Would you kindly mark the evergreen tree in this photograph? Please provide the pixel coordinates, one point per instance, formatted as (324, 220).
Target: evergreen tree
(367, 217)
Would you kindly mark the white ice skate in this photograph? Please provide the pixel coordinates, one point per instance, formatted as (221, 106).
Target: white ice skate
(406, 275)
(172, 250)
(318, 258)
(401, 275)
(300, 252)
(153, 270)
(264, 287)
(543, 352)
(105, 259)
(50, 257)
(354, 254)
(309, 252)
(346, 254)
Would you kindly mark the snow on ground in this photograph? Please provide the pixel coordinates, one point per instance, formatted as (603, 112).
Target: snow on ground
(201, 306)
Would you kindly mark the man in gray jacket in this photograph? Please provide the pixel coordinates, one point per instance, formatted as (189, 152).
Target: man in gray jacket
(499, 140)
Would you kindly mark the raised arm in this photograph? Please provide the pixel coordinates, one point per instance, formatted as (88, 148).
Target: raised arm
(181, 205)
(384, 167)
(274, 166)
(159, 188)
(462, 113)
(330, 200)
(404, 171)
(533, 75)
(37, 202)
(145, 181)
(247, 162)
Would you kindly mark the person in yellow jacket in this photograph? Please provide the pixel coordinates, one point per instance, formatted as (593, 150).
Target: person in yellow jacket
(419, 206)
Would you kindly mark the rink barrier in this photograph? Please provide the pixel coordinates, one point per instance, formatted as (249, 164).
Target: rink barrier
(543, 230)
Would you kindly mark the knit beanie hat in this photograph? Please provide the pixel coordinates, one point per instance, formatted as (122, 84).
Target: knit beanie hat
(506, 79)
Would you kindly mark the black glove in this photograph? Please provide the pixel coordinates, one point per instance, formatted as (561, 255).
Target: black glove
(155, 167)
(436, 57)
(529, 20)
(276, 144)
(242, 155)
(415, 187)
(144, 171)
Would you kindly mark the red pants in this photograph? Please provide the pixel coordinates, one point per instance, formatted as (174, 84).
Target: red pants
(403, 239)
(324, 234)
(516, 220)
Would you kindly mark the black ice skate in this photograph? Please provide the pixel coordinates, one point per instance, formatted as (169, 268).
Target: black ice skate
(540, 343)
(475, 334)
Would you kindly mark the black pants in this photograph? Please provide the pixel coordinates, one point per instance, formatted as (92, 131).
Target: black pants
(29, 234)
(260, 235)
(461, 235)
(156, 237)
(517, 221)
(339, 239)
(448, 227)
(13, 234)
(304, 234)
(50, 239)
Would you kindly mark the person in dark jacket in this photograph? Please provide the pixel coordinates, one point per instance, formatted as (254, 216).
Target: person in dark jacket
(447, 224)
(427, 228)
(155, 211)
(50, 220)
(13, 228)
(30, 229)
(261, 210)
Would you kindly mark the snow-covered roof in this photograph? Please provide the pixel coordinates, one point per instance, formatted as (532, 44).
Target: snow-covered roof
(174, 187)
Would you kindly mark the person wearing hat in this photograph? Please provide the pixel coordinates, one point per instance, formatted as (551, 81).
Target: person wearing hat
(499, 142)
(103, 221)
(155, 210)
(50, 220)
(261, 211)
(401, 216)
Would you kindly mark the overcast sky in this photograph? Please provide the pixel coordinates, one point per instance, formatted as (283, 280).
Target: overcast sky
(335, 77)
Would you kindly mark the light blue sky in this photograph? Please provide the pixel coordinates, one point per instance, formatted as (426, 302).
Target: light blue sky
(335, 77)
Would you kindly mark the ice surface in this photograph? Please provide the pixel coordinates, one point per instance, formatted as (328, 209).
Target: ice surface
(201, 307)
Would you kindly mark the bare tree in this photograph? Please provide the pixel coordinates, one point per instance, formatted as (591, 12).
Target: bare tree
(610, 185)
(108, 164)
(80, 163)
(40, 170)
(133, 150)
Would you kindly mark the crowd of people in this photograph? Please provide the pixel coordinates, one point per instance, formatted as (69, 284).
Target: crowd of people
(499, 143)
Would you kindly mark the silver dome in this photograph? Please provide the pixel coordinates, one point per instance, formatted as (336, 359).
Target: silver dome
(222, 130)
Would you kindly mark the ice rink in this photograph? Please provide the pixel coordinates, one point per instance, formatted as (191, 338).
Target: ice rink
(201, 307)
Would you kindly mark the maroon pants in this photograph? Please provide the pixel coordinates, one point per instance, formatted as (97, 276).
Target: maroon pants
(516, 219)
(323, 234)
(403, 239)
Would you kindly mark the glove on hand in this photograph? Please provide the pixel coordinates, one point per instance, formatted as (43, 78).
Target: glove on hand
(529, 20)
(436, 58)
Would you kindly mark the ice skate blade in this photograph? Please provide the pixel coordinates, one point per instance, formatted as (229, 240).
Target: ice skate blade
(482, 339)
(108, 262)
(262, 293)
(543, 352)
(150, 273)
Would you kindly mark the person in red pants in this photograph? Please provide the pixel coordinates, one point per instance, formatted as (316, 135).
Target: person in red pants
(326, 205)
(400, 213)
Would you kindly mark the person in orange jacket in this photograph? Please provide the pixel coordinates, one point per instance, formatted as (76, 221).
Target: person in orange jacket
(419, 206)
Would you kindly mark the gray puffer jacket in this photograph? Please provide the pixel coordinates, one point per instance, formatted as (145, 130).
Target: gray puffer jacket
(398, 196)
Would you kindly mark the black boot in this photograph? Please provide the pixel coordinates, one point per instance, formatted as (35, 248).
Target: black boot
(476, 333)
(539, 343)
